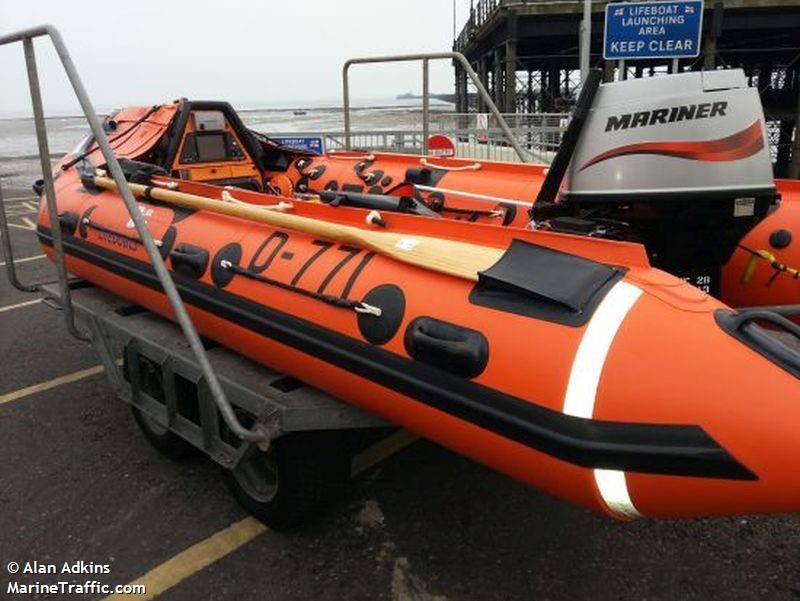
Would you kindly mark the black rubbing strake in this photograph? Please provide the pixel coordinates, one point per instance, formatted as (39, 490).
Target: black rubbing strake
(672, 449)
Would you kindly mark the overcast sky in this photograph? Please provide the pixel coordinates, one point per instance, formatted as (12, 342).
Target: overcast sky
(251, 53)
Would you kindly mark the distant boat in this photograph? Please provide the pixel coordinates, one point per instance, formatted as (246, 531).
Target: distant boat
(299, 112)
(412, 96)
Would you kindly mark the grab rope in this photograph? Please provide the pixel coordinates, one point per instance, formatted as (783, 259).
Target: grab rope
(281, 206)
(167, 185)
(374, 218)
(473, 167)
(357, 306)
(770, 258)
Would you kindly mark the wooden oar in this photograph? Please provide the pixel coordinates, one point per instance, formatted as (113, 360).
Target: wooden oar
(459, 259)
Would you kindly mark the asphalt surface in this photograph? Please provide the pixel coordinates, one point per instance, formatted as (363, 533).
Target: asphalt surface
(79, 482)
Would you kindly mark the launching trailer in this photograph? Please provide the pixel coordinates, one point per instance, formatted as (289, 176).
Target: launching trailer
(313, 437)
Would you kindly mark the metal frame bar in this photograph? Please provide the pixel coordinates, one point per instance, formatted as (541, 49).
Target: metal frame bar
(26, 36)
(132, 337)
(49, 187)
(8, 251)
(425, 58)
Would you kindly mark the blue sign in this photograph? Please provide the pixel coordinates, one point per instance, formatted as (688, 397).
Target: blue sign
(312, 143)
(641, 30)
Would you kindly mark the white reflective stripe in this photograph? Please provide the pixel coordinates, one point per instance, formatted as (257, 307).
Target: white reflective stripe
(593, 349)
(614, 490)
(584, 379)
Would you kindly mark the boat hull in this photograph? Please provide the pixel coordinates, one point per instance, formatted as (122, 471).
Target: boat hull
(532, 397)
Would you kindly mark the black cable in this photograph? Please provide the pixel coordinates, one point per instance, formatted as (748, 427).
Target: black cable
(325, 298)
(134, 125)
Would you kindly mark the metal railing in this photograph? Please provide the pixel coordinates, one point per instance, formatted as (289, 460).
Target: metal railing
(425, 58)
(26, 36)
(479, 14)
(488, 144)
(538, 133)
(476, 136)
(545, 122)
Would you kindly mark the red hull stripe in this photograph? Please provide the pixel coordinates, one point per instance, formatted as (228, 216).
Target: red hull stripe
(740, 145)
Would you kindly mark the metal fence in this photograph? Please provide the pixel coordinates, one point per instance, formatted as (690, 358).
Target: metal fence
(476, 136)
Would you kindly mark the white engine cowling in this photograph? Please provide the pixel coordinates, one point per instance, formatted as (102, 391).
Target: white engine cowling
(697, 134)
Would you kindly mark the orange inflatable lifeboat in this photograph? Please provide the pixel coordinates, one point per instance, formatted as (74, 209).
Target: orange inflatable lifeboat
(745, 256)
(566, 362)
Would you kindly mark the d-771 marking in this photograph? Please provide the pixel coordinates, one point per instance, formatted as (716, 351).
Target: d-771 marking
(272, 247)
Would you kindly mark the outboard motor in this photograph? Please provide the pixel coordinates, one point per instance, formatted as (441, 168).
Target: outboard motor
(679, 163)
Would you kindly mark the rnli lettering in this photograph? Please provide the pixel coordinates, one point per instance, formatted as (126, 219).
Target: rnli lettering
(705, 110)
(118, 240)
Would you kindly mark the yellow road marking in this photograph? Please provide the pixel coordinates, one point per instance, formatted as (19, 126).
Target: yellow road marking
(24, 259)
(21, 208)
(199, 556)
(54, 383)
(20, 305)
(20, 198)
(27, 228)
(382, 450)
(195, 558)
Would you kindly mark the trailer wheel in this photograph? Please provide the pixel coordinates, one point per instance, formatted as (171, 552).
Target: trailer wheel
(298, 475)
(165, 442)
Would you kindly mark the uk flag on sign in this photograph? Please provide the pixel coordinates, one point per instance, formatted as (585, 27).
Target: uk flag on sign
(619, 12)
(689, 10)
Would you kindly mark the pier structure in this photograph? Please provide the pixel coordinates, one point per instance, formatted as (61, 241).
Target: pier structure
(526, 53)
